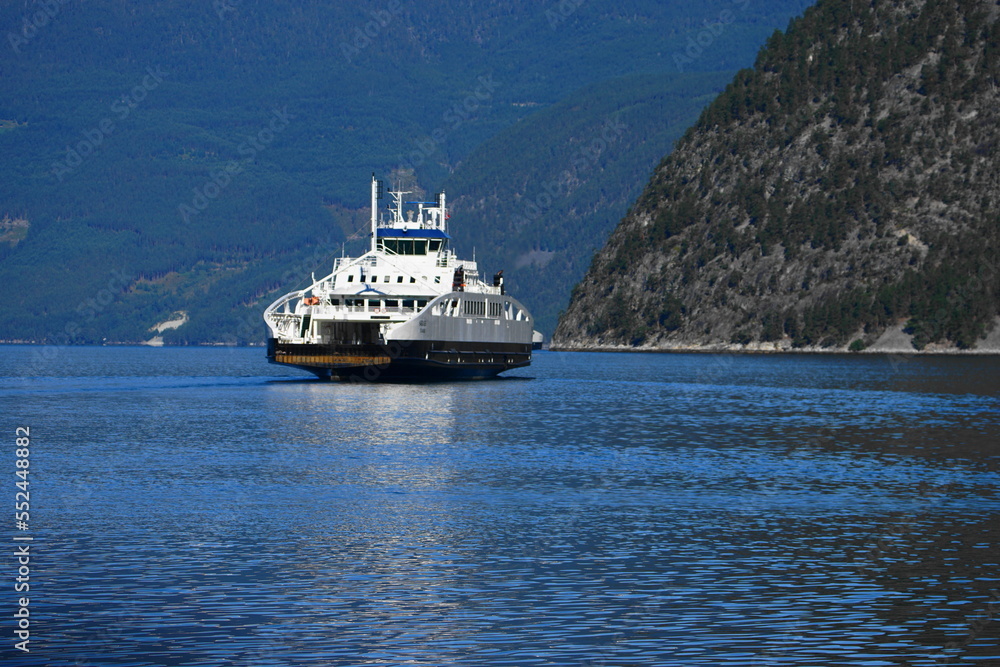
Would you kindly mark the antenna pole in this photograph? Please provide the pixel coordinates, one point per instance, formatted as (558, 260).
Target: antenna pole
(444, 213)
(374, 212)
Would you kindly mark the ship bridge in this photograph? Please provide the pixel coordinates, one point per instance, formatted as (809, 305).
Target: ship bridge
(403, 241)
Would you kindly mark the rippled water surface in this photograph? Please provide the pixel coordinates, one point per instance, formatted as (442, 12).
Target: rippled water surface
(199, 507)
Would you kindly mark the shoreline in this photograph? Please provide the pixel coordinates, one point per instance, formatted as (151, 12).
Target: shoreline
(677, 349)
(138, 343)
(738, 349)
(893, 341)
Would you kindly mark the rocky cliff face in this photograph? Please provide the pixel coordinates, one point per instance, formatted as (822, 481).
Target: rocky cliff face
(846, 187)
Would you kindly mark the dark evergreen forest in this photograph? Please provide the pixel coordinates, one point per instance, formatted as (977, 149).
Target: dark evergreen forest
(206, 156)
(845, 183)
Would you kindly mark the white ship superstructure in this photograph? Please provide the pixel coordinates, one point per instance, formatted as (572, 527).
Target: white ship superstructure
(407, 308)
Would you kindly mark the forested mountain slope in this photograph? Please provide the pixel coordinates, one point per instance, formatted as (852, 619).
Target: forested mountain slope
(540, 198)
(205, 156)
(847, 184)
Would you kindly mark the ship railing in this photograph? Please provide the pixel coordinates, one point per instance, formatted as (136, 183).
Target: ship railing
(284, 302)
(285, 324)
(483, 288)
(408, 311)
(280, 319)
(327, 311)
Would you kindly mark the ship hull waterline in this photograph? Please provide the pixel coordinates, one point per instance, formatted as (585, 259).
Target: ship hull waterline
(401, 360)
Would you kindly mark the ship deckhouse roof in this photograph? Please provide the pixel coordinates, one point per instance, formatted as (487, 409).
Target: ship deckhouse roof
(393, 232)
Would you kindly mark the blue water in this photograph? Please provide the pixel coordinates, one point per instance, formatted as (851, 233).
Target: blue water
(199, 507)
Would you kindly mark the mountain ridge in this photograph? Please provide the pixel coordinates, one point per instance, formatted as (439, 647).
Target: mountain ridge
(179, 180)
(835, 190)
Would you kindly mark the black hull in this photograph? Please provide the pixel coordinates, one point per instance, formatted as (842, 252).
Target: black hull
(402, 360)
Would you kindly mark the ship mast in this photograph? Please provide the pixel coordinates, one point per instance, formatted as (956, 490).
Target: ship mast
(444, 214)
(375, 193)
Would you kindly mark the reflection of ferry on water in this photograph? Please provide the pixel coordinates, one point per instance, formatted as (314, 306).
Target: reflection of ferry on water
(407, 308)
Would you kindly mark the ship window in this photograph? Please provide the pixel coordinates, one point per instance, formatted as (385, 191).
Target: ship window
(421, 303)
(408, 246)
(407, 303)
(350, 279)
(386, 279)
(412, 279)
(398, 246)
(391, 303)
(496, 309)
(435, 246)
(437, 279)
(334, 302)
(399, 279)
(374, 279)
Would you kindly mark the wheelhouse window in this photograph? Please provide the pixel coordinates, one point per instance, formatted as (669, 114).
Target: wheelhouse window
(406, 246)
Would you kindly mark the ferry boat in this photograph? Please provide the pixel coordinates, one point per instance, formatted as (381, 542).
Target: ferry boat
(406, 309)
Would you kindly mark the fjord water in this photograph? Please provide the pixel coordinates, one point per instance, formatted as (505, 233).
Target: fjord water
(198, 507)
